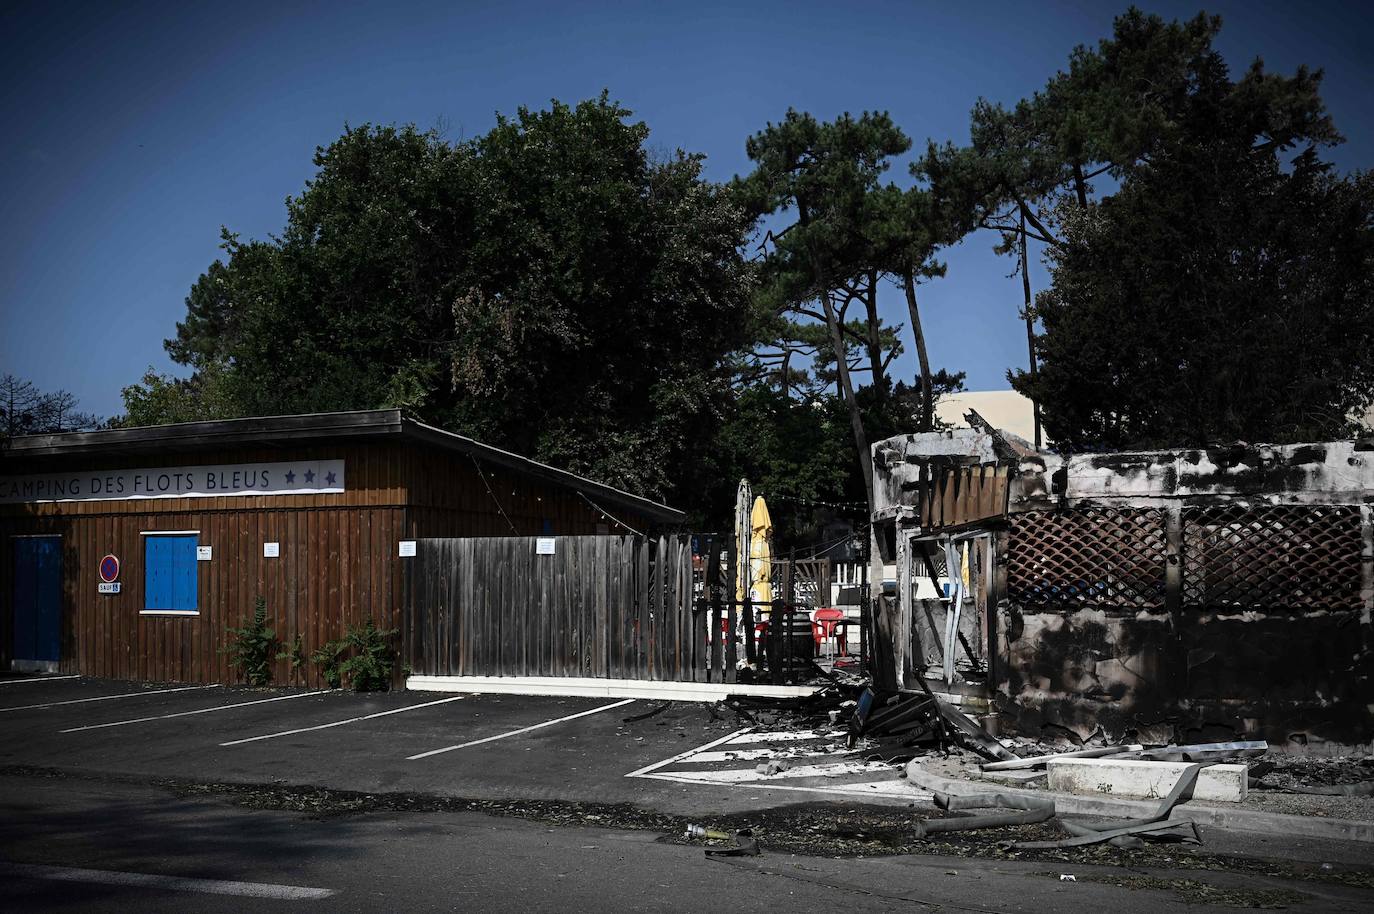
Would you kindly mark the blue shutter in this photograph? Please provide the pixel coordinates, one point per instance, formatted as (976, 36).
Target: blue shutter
(156, 574)
(170, 573)
(184, 572)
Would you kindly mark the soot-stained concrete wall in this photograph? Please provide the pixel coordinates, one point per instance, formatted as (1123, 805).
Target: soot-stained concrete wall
(1299, 674)
(1299, 680)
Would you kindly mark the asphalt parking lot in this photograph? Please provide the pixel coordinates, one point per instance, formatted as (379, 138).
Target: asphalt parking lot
(96, 811)
(581, 749)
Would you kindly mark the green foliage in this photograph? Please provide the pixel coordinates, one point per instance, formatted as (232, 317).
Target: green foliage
(364, 658)
(294, 655)
(252, 647)
(162, 399)
(1223, 292)
(369, 669)
(1222, 295)
(329, 658)
(822, 277)
(550, 287)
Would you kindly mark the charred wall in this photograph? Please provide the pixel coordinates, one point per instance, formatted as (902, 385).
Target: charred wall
(1294, 678)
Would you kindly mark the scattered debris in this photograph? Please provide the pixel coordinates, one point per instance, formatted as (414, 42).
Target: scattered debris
(1033, 809)
(701, 831)
(653, 712)
(1360, 789)
(1202, 752)
(776, 766)
(746, 845)
(1041, 760)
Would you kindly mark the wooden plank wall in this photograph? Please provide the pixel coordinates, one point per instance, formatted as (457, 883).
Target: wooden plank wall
(601, 606)
(338, 562)
(455, 495)
(960, 495)
(337, 567)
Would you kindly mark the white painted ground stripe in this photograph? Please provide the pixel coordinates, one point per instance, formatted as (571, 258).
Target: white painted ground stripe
(751, 755)
(729, 737)
(172, 883)
(77, 701)
(893, 787)
(139, 720)
(547, 723)
(789, 736)
(748, 775)
(340, 723)
(36, 679)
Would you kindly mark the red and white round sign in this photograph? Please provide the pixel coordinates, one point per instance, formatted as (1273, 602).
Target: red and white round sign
(109, 569)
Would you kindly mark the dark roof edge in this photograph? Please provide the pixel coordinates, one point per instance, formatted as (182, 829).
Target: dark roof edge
(586, 487)
(323, 426)
(258, 429)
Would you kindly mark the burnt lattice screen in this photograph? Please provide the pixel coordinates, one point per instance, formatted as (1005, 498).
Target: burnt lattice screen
(1302, 557)
(1088, 557)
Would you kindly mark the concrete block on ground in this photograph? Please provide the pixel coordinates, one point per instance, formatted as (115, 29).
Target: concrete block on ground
(1133, 778)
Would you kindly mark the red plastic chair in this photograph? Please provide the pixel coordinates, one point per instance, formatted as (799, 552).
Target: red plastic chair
(825, 623)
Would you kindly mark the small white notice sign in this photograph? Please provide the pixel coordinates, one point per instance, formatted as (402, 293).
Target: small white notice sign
(203, 553)
(544, 545)
(407, 549)
(108, 587)
(271, 550)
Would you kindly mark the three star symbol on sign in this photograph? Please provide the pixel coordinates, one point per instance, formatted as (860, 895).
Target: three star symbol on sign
(329, 478)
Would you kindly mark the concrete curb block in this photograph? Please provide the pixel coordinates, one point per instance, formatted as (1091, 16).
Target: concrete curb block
(1272, 823)
(602, 688)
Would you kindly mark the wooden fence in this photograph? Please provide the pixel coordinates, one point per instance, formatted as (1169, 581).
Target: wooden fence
(616, 607)
(611, 607)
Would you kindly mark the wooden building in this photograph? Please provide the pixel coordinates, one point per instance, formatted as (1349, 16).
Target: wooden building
(127, 552)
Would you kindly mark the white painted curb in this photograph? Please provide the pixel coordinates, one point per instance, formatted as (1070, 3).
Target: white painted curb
(602, 688)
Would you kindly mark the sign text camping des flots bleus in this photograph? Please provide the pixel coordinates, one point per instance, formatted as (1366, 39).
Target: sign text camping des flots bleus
(300, 477)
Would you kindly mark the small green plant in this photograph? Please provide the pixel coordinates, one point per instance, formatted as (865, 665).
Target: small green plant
(252, 646)
(369, 669)
(294, 655)
(328, 659)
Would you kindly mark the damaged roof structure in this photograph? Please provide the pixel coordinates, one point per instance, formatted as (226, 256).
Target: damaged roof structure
(1187, 594)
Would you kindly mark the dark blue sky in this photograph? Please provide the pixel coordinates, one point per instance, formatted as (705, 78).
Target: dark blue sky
(135, 133)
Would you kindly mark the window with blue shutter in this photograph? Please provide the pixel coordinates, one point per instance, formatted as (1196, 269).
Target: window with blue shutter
(169, 573)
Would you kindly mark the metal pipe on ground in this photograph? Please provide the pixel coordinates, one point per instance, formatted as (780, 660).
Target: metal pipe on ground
(1033, 809)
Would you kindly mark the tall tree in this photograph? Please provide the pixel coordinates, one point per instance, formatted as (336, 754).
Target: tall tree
(1223, 291)
(27, 410)
(552, 287)
(1113, 112)
(821, 177)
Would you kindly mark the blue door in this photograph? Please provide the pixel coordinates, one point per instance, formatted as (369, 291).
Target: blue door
(37, 598)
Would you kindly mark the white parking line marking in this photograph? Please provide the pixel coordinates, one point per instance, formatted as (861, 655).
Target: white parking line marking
(752, 755)
(729, 737)
(172, 883)
(139, 720)
(547, 723)
(77, 701)
(36, 679)
(750, 776)
(787, 736)
(340, 723)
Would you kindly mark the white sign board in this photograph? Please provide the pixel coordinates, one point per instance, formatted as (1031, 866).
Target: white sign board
(299, 477)
(204, 553)
(108, 587)
(544, 545)
(407, 549)
(271, 550)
